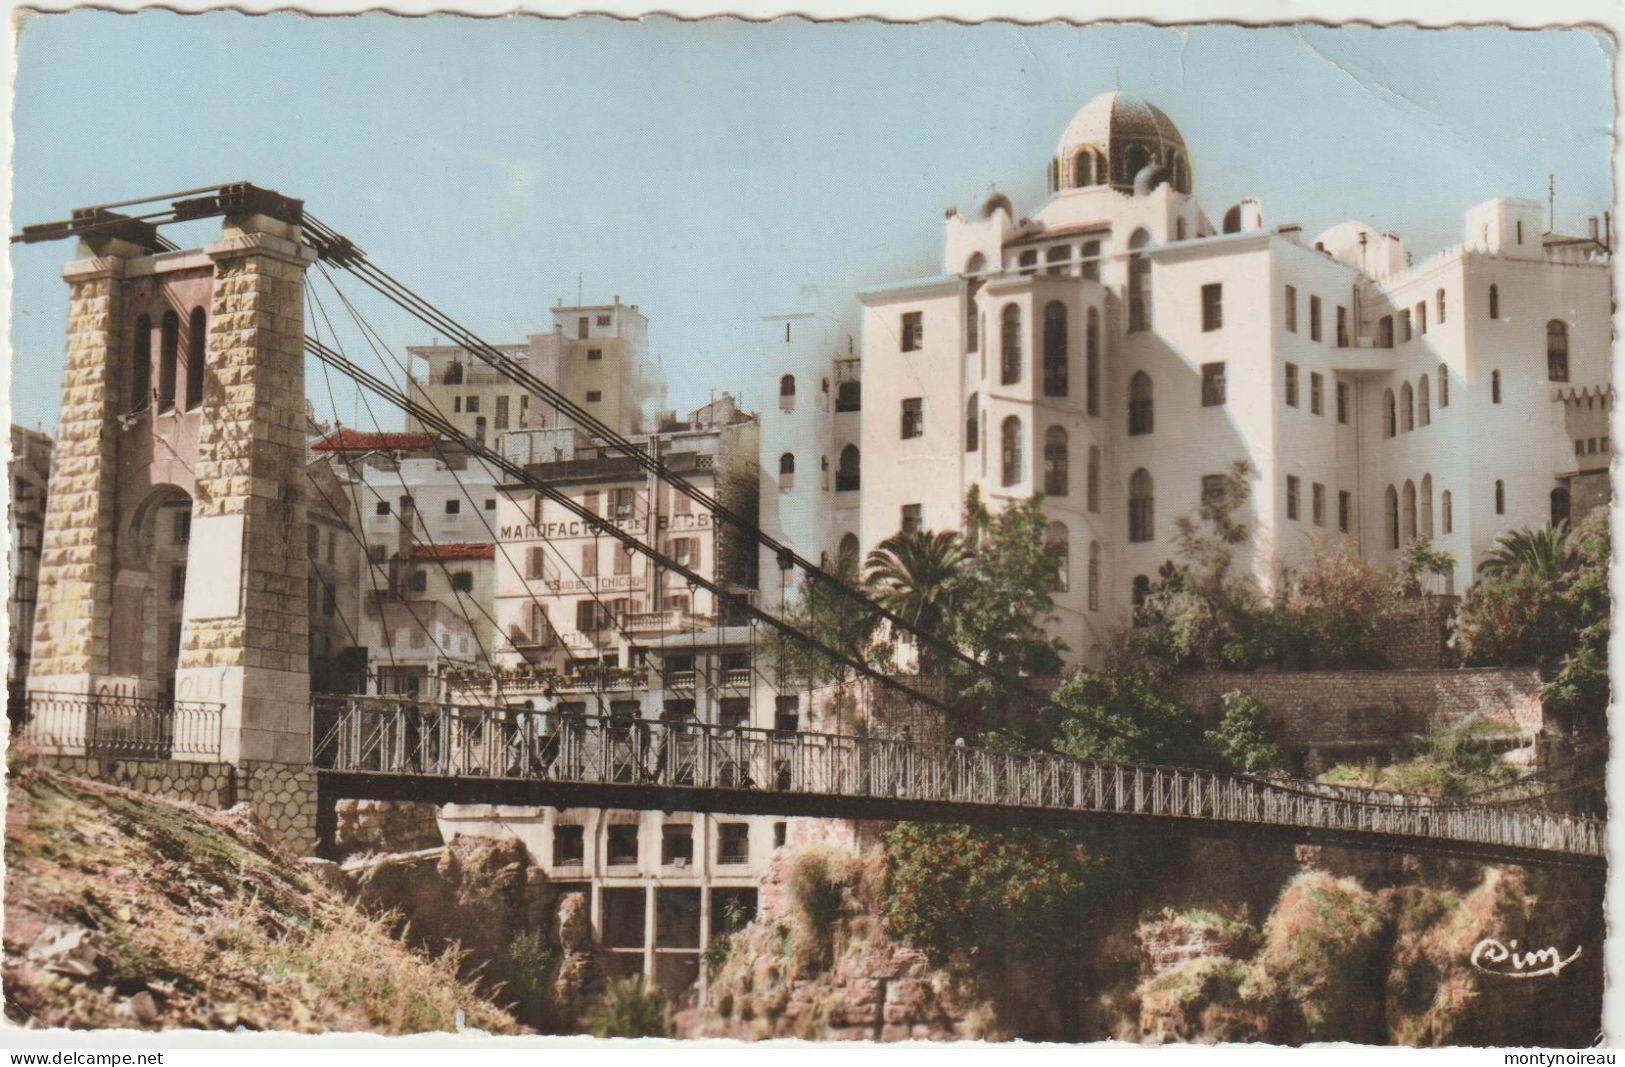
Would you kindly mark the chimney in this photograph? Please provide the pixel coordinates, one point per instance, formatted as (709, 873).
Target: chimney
(1592, 224)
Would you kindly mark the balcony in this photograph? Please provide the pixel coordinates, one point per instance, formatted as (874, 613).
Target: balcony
(651, 622)
(737, 679)
(680, 680)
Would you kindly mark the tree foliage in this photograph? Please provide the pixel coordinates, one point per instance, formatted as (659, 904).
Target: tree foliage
(1542, 600)
(1120, 715)
(1244, 738)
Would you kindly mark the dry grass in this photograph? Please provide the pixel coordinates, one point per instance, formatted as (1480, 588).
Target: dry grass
(199, 913)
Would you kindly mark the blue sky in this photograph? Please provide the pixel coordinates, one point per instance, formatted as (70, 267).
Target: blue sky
(708, 170)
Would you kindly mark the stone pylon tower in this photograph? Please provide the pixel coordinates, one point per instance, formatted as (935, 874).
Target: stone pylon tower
(173, 564)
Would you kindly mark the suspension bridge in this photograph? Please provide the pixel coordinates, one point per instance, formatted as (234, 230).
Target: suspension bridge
(370, 747)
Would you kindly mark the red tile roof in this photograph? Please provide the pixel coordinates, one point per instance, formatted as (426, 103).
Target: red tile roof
(464, 550)
(356, 441)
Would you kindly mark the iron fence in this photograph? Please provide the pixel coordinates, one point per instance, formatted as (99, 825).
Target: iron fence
(123, 727)
(380, 735)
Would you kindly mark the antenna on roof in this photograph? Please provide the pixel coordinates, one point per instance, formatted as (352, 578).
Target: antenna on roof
(1551, 203)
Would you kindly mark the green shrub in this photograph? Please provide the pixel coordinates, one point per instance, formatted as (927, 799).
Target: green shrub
(525, 965)
(1244, 738)
(957, 887)
(1119, 715)
(630, 1008)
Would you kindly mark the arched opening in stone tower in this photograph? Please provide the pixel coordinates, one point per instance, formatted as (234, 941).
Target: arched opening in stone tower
(149, 592)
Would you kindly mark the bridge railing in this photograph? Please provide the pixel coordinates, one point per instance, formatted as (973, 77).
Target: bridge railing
(123, 727)
(402, 737)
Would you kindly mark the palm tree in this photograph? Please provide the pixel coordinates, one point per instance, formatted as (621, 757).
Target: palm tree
(1547, 553)
(914, 576)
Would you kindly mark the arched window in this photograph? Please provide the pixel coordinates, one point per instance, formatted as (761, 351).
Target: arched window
(1059, 260)
(1091, 362)
(1083, 169)
(1409, 514)
(1094, 575)
(1407, 414)
(1010, 458)
(1444, 386)
(787, 471)
(196, 339)
(849, 546)
(1055, 461)
(141, 365)
(1140, 413)
(1182, 172)
(974, 266)
(1055, 536)
(1140, 590)
(1423, 416)
(1385, 332)
(1136, 157)
(973, 429)
(1141, 507)
(1438, 300)
(1390, 423)
(787, 393)
(1500, 497)
(847, 474)
(1092, 481)
(1139, 282)
(1010, 345)
(1055, 354)
(1232, 219)
(1495, 387)
(1560, 505)
(1557, 350)
(1390, 500)
(1447, 520)
(169, 352)
(1495, 301)
(1425, 504)
(1029, 262)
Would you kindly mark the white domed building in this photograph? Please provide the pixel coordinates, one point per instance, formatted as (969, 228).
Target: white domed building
(1113, 348)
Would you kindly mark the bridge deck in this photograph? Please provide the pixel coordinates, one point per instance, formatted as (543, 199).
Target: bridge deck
(372, 747)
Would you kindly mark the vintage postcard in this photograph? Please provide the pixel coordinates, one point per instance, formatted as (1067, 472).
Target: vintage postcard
(847, 531)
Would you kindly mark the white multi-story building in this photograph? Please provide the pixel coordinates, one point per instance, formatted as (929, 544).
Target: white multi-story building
(1115, 350)
(809, 444)
(596, 355)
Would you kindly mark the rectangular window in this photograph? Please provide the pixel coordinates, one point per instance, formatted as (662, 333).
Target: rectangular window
(913, 417)
(1212, 306)
(1290, 301)
(625, 501)
(183, 527)
(1342, 327)
(677, 844)
(787, 715)
(418, 581)
(1343, 402)
(1317, 503)
(912, 519)
(594, 396)
(1091, 260)
(454, 507)
(1404, 325)
(581, 328)
(177, 582)
(330, 599)
(381, 508)
(376, 553)
(1422, 318)
(1292, 496)
(462, 581)
(589, 501)
(569, 846)
(622, 850)
(1292, 385)
(913, 330)
(623, 559)
(457, 405)
(589, 559)
(1314, 318)
(685, 550)
(1213, 486)
(733, 842)
(536, 562)
(603, 320)
(1317, 388)
(595, 353)
(491, 505)
(502, 412)
(1345, 511)
(589, 618)
(472, 405)
(1212, 384)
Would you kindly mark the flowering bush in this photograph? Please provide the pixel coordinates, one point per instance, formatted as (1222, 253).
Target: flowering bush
(988, 892)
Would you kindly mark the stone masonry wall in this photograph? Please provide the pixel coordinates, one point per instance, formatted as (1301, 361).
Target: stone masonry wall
(1332, 709)
(73, 617)
(1418, 635)
(284, 795)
